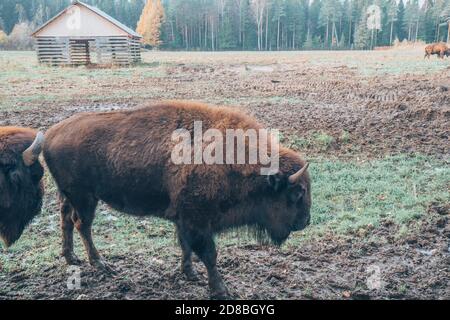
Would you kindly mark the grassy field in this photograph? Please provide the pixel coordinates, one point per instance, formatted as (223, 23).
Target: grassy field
(362, 181)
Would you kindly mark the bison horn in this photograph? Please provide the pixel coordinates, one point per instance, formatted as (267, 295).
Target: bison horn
(31, 155)
(296, 177)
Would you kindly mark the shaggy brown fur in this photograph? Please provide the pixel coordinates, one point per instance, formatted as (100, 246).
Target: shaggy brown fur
(21, 188)
(439, 49)
(124, 159)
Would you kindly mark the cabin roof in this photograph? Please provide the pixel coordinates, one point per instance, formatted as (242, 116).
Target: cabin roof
(97, 11)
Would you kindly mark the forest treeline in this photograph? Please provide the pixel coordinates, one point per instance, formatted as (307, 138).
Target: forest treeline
(251, 24)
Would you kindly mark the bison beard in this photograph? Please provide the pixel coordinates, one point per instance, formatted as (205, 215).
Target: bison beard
(124, 159)
(21, 188)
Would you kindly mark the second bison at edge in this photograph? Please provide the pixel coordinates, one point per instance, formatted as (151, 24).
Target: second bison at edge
(439, 49)
(124, 159)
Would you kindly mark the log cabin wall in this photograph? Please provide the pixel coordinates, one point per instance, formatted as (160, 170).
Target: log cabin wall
(65, 51)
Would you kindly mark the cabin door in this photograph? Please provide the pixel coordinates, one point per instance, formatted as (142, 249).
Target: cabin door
(80, 53)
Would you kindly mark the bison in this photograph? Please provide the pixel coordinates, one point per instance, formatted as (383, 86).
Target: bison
(439, 49)
(124, 158)
(21, 187)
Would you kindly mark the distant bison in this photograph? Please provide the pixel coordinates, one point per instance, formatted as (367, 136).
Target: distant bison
(439, 49)
(124, 158)
(21, 188)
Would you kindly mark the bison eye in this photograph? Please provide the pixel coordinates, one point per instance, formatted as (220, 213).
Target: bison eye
(296, 194)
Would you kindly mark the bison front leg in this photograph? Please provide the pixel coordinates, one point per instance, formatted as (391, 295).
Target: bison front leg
(186, 261)
(202, 243)
(67, 231)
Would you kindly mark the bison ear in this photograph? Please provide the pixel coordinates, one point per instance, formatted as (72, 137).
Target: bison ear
(276, 182)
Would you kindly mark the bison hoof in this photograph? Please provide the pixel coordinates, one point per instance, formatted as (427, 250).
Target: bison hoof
(191, 275)
(103, 266)
(221, 296)
(72, 259)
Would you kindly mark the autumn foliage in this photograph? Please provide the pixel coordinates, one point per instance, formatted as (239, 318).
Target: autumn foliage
(149, 25)
(3, 38)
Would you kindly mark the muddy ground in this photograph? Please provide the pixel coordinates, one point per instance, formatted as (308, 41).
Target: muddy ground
(356, 114)
(328, 268)
(386, 113)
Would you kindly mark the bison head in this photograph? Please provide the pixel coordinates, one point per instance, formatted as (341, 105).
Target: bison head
(287, 209)
(21, 188)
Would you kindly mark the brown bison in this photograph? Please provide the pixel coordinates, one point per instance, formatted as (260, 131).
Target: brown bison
(21, 187)
(125, 159)
(439, 49)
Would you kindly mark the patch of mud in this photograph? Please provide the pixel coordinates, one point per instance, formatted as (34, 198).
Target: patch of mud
(45, 117)
(439, 208)
(379, 115)
(380, 266)
(399, 129)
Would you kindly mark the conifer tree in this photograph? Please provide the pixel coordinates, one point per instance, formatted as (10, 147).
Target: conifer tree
(362, 35)
(392, 16)
(253, 24)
